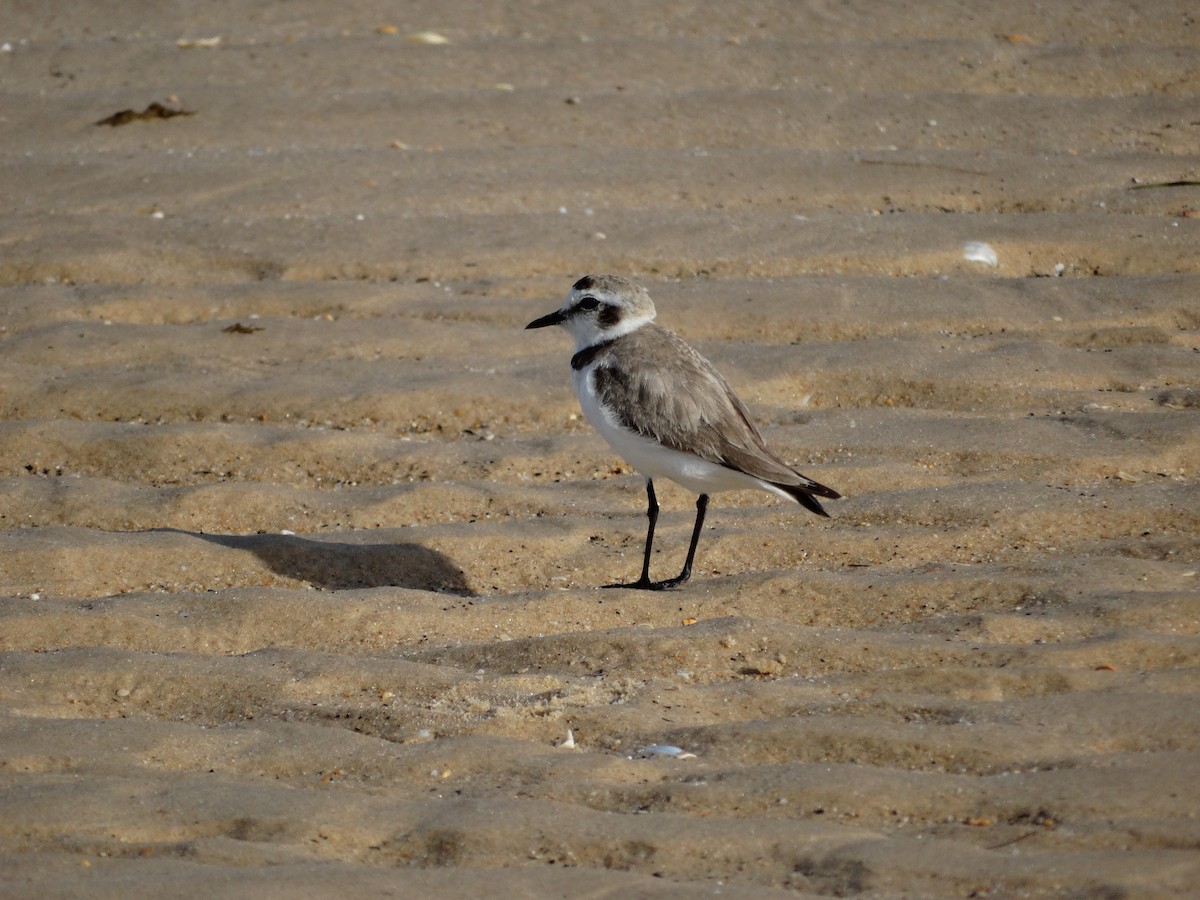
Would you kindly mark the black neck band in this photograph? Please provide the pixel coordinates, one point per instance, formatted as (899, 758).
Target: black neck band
(587, 354)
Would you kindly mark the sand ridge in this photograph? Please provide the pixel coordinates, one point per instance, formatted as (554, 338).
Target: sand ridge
(301, 535)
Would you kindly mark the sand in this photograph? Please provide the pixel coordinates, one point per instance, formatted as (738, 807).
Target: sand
(302, 536)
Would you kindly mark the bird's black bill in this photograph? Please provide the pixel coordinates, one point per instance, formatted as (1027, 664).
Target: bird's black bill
(554, 318)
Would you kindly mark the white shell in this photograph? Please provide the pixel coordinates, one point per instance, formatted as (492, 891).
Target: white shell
(666, 750)
(977, 251)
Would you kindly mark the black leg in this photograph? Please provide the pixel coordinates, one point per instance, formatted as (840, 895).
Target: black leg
(701, 508)
(651, 521)
(644, 583)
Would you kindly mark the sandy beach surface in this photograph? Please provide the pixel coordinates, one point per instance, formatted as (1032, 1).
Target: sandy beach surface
(302, 536)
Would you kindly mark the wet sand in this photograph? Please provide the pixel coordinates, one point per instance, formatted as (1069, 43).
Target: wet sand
(301, 536)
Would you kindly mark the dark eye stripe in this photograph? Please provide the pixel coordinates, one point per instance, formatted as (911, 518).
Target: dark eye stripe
(609, 315)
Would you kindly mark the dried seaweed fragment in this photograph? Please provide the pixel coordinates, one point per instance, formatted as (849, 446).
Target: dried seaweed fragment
(154, 111)
(1146, 185)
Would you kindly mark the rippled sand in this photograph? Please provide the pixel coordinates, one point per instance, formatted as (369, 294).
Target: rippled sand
(301, 535)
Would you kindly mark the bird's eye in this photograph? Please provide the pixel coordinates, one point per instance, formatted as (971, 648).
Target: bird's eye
(589, 303)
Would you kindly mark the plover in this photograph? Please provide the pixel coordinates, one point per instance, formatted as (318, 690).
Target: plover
(665, 409)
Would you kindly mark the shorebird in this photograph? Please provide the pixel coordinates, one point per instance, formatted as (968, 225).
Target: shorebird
(665, 409)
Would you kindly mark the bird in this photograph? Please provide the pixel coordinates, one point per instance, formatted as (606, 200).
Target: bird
(665, 409)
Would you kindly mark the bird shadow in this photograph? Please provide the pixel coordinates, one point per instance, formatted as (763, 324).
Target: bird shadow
(338, 566)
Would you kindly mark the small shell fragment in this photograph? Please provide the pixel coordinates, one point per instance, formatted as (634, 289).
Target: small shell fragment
(426, 37)
(665, 750)
(188, 44)
(569, 742)
(977, 251)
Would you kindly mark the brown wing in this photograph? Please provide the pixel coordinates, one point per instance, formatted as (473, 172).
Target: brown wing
(660, 387)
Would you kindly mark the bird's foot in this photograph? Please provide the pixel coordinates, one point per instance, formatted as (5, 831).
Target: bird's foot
(645, 584)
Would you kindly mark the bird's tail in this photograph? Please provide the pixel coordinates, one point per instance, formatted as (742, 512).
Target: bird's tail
(806, 495)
